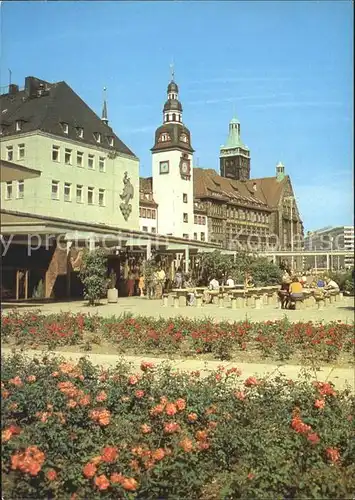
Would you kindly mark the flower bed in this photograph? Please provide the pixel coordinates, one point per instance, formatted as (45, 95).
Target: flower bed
(279, 340)
(77, 432)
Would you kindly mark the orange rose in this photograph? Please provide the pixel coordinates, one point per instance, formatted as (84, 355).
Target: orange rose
(186, 445)
(6, 435)
(319, 403)
(139, 394)
(51, 475)
(133, 380)
(116, 478)
(85, 400)
(203, 445)
(102, 396)
(192, 417)
(89, 470)
(146, 429)
(16, 381)
(181, 404)
(109, 454)
(158, 454)
(102, 482)
(171, 427)
(170, 409)
(129, 484)
(157, 409)
(72, 403)
(31, 378)
(201, 435)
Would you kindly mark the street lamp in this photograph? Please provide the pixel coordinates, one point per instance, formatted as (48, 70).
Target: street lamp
(291, 200)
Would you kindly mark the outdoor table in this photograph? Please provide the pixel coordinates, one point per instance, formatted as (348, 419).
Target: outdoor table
(182, 295)
(238, 299)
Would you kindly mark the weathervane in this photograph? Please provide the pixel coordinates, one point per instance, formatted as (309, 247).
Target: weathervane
(172, 71)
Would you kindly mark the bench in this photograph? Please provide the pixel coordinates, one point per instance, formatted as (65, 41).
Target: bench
(319, 299)
(165, 299)
(175, 300)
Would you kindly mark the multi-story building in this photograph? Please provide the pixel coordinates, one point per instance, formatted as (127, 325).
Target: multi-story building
(229, 209)
(87, 172)
(332, 239)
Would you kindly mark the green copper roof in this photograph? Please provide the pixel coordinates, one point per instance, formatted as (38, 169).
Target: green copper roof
(234, 140)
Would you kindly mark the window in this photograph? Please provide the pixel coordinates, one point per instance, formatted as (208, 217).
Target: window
(55, 153)
(184, 197)
(10, 153)
(65, 127)
(67, 156)
(101, 197)
(154, 214)
(91, 160)
(97, 136)
(8, 194)
(55, 190)
(20, 189)
(195, 219)
(21, 151)
(67, 191)
(90, 195)
(18, 125)
(185, 236)
(79, 159)
(149, 213)
(79, 193)
(203, 220)
(110, 141)
(80, 131)
(144, 228)
(186, 218)
(203, 237)
(154, 230)
(195, 236)
(144, 212)
(101, 164)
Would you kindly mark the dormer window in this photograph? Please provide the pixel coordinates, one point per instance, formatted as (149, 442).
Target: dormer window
(65, 127)
(18, 125)
(97, 137)
(110, 140)
(80, 132)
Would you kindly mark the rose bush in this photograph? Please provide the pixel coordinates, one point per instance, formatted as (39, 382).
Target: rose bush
(79, 432)
(280, 339)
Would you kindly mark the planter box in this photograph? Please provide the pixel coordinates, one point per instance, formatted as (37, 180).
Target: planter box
(112, 295)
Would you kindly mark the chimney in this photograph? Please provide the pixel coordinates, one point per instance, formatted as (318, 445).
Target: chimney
(34, 87)
(255, 187)
(13, 89)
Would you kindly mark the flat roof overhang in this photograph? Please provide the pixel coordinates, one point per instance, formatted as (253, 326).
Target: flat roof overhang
(20, 223)
(13, 172)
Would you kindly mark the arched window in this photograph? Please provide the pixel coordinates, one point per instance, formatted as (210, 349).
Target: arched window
(174, 117)
(167, 117)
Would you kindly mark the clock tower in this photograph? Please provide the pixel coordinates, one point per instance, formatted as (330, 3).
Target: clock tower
(234, 155)
(172, 169)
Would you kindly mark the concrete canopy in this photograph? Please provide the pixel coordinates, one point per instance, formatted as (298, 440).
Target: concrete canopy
(13, 172)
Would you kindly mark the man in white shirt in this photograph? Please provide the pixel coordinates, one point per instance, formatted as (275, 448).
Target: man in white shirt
(331, 285)
(214, 285)
(230, 281)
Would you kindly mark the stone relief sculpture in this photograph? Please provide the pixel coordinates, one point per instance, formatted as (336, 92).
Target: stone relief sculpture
(126, 196)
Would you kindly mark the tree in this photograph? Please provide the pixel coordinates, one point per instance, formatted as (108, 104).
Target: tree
(264, 272)
(93, 275)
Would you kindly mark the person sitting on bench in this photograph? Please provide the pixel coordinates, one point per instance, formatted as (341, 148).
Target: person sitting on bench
(330, 287)
(295, 290)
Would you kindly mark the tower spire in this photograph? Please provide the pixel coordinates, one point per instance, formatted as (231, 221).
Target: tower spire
(104, 118)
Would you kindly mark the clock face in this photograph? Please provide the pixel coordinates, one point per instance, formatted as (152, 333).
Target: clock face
(164, 167)
(185, 167)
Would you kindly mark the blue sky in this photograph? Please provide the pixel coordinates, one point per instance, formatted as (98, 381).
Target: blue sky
(284, 68)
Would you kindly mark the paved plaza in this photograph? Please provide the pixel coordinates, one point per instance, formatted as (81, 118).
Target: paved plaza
(343, 310)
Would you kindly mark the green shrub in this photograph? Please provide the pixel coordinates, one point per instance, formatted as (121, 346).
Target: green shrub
(79, 432)
(93, 275)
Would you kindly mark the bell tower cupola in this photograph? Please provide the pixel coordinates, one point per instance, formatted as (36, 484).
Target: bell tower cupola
(234, 155)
